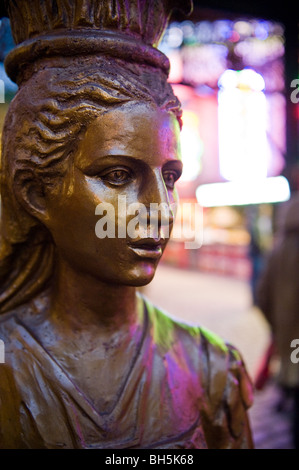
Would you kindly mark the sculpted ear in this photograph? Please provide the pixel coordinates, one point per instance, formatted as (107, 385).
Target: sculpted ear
(30, 193)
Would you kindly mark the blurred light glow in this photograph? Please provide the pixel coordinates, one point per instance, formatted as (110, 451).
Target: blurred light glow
(204, 64)
(204, 32)
(176, 66)
(188, 29)
(229, 79)
(255, 52)
(261, 30)
(175, 37)
(244, 150)
(235, 36)
(222, 30)
(246, 78)
(268, 190)
(244, 28)
(191, 146)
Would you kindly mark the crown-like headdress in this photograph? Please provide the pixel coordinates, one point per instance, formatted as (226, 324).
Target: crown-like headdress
(130, 29)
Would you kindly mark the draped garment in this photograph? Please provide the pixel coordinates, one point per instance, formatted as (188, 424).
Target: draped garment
(186, 389)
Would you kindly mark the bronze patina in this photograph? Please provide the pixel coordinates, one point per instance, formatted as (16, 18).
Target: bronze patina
(90, 363)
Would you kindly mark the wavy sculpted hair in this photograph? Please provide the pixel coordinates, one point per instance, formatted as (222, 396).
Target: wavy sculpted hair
(54, 105)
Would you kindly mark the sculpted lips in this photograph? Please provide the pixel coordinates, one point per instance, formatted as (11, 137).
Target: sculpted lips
(147, 247)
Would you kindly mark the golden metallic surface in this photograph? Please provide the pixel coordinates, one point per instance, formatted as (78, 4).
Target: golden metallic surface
(89, 363)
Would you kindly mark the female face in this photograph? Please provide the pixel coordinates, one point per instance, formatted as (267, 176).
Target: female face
(129, 155)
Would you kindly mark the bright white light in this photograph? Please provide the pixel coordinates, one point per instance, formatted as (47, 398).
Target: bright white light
(254, 81)
(244, 150)
(228, 80)
(191, 147)
(246, 78)
(268, 190)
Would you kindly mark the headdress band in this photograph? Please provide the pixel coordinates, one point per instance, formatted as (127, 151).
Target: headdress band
(83, 42)
(128, 29)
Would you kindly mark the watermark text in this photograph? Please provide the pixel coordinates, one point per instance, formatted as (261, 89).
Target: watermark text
(2, 91)
(183, 222)
(2, 352)
(295, 352)
(295, 92)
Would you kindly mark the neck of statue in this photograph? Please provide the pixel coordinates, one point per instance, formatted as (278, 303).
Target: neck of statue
(80, 301)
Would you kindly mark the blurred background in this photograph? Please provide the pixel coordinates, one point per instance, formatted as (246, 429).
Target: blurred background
(234, 66)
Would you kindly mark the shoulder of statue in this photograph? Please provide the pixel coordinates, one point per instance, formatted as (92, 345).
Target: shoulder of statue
(229, 389)
(227, 369)
(167, 330)
(226, 386)
(216, 358)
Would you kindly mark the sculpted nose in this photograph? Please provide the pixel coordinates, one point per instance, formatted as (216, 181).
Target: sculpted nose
(156, 200)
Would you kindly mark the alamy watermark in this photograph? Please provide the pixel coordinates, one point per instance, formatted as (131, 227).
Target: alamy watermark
(2, 352)
(295, 93)
(295, 353)
(136, 221)
(2, 91)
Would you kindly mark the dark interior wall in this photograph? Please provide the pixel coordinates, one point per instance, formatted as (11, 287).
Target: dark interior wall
(266, 9)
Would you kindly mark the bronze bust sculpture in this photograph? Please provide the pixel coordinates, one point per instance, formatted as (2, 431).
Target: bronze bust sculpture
(88, 362)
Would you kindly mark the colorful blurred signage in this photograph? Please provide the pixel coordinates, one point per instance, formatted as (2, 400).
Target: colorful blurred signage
(244, 149)
(235, 73)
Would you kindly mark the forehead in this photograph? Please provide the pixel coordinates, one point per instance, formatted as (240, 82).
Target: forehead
(139, 130)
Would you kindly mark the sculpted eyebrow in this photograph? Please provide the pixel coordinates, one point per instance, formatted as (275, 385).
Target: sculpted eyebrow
(102, 162)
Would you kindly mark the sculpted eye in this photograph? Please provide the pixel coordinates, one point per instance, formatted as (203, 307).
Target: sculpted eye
(117, 176)
(170, 177)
